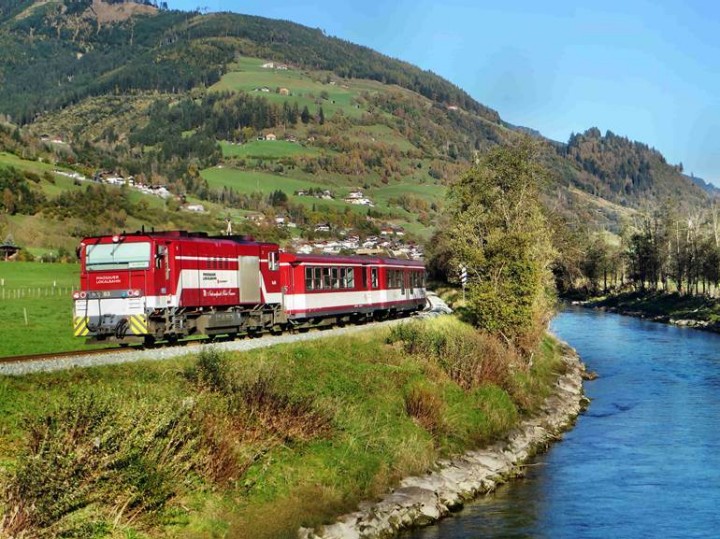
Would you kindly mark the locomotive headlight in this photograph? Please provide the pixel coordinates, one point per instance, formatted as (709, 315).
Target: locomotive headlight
(76, 295)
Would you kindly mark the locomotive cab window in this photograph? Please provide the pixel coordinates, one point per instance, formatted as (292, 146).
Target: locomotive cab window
(374, 279)
(117, 256)
(273, 261)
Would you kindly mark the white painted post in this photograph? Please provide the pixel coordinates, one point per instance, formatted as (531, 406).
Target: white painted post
(25, 314)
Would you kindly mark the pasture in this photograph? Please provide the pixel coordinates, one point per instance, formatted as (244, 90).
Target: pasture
(59, 183)
(266, 149)
(42, 295)
(381, 133)
(248, 75)
(244, 181)
(247, 182)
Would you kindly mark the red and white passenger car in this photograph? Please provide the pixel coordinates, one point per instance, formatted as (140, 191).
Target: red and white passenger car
(168, 285)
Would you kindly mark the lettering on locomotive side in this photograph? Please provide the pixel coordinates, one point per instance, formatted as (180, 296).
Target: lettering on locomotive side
(209, 276)
(218, 293)
(107, 279)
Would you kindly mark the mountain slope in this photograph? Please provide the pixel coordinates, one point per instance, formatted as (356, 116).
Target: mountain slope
(179, 99)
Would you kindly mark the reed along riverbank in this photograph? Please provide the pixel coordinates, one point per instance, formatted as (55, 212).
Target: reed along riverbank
(255, 444)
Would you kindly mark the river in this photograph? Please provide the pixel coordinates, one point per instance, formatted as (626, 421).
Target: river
(643, 461)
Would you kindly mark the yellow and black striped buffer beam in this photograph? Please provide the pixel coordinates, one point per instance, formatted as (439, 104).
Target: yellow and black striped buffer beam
(80, 325)
(138, 325)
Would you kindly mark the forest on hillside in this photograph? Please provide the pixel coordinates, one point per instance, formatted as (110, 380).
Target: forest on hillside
(55, 57)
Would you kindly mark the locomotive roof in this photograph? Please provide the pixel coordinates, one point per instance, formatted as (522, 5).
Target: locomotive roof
(356, 259)
(180, 234)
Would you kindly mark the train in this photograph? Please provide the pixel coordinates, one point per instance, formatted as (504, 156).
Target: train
(170, 285)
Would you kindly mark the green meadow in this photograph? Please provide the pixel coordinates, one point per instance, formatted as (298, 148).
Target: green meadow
(40, 294)
(266, 149)
(244, 181)
(248, 75)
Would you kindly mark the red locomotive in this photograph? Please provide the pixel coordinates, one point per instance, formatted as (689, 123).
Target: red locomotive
(169, 285)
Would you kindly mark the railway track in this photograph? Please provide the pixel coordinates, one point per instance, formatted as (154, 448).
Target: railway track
(60, 355)
(94, 352)
(27, 364)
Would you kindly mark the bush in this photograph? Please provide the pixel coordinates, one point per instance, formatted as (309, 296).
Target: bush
(246, 414)
(470, 358)
(267, 411)
(92, 452)
(426, 405)
(210, 371)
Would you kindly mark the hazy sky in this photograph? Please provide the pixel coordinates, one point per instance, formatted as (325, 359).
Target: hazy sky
(646, 70)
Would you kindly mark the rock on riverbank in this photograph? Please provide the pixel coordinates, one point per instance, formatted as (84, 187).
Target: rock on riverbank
(421, 500)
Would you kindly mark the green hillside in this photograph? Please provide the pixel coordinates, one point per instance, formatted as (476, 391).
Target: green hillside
(239, 113)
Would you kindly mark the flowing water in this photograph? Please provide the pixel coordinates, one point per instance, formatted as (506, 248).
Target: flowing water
(643, 461)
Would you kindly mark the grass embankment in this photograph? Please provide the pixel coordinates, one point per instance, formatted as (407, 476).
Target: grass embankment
(253, 444)
(661, 306)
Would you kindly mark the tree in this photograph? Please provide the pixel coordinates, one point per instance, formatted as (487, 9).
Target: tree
(9, 201)
(500, 234)
(305, 115)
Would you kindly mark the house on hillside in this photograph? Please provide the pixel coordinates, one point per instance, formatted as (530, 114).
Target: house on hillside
(357, 198)
(284, 91)
(268, 65)
(8, 249)
(271, 136)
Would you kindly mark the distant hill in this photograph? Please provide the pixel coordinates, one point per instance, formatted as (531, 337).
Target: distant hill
(627, 172)
(709, 188)
(229, 110)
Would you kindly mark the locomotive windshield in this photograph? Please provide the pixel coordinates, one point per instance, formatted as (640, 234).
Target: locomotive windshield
(117, 256)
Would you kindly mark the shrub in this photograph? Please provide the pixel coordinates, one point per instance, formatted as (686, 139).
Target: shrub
(210, 371)
(273, 411)
(245, 414)
(423, 403)
(468, 357)
(92, 452)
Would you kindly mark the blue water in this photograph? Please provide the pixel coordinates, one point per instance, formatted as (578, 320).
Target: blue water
(643, 461)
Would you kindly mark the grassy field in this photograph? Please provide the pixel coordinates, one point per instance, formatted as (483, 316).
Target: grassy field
(252, 445)
(429, 192)
(37, 275)
(305, 88)
(11, 160)
(381, 133)
(42, 292)
(251, 181)
(266, 149)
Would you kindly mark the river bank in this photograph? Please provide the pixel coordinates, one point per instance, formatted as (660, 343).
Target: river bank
(259, 443)
(422, 500)
(697, 312)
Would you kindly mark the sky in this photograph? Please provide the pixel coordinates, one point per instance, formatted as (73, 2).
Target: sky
(649, 71)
